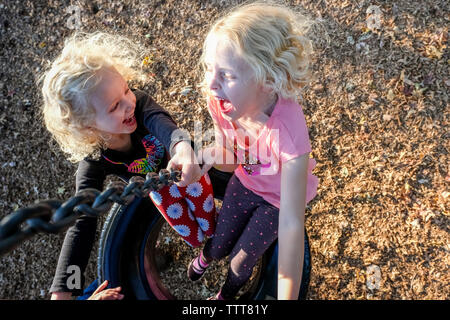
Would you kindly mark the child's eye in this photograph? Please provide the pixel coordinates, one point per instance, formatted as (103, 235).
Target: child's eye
(227, 76)
(114, 108)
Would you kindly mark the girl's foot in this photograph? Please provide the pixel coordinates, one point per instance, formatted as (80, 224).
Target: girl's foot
(197, 267)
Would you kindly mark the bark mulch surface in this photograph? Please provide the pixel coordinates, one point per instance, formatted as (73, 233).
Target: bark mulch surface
(377, 112)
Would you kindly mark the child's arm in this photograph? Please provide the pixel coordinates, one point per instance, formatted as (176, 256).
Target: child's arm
(218, 154)
(292, 227)
(219, 157)
(79, 238)
(160, 123)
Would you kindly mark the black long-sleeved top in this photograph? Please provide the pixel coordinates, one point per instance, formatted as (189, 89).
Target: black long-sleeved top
(152, 122)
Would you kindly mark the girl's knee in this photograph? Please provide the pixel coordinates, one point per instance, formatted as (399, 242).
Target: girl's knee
(241, 264)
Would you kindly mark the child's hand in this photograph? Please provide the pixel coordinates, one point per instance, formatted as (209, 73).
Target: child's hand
(185, 160)
(218, 157)
(108, 294)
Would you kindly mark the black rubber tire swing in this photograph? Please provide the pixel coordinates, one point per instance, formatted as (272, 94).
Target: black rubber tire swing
(127, 256)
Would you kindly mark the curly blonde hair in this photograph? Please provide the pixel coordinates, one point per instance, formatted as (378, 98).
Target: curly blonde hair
(72, 76)
(272, 39)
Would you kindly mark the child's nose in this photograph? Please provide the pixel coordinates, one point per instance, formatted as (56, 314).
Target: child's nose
(213, 82)
(129, 105)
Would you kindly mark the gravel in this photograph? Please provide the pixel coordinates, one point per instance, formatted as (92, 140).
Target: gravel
(377, 112)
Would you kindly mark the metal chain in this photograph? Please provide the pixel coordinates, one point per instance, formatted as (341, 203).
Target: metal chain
(54, 216)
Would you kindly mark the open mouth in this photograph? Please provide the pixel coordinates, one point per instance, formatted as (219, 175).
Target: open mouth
(225, 105)
(130, 121)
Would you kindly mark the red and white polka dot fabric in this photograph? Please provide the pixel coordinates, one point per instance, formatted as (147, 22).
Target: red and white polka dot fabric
(189, 210)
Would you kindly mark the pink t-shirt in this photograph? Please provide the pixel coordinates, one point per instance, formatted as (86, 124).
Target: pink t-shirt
(283, 137)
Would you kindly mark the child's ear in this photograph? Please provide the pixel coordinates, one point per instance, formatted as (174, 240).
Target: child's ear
(265, 88)
(91, 130)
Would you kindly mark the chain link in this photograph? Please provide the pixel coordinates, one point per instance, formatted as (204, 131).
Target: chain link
(54, 216)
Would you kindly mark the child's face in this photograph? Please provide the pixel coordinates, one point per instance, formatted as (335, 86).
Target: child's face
(114, 104)
(231, 81)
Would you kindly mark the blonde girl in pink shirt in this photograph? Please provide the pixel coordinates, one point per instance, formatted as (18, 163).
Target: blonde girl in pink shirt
(256, 59)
